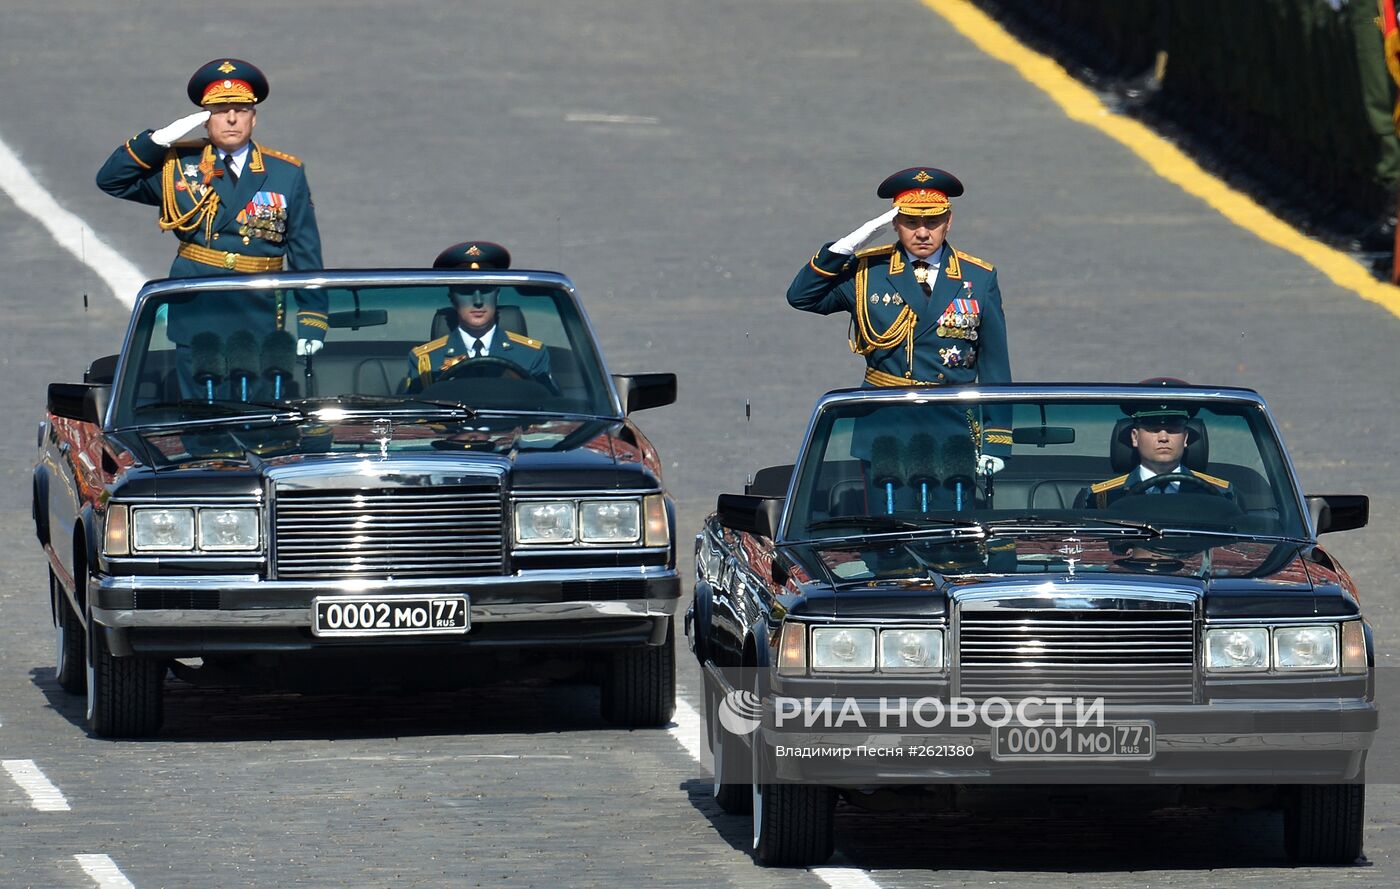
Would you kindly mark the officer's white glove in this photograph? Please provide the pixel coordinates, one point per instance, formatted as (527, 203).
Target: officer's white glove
(990, 465)
(167, 134)
(309, 347)
(848, 244)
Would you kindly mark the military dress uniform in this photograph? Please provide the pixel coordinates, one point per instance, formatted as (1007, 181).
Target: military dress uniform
(259, 224)
(912, 332)
(427, 361)
(1110, 491)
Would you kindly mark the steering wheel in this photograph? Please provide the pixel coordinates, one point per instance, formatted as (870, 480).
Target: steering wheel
(488, 366)
(1181, 477)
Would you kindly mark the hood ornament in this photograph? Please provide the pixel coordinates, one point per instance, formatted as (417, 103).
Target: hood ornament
(383, 430)
(1069, 548)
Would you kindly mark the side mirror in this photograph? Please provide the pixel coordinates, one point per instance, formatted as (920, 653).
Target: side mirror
(86, 402)
(770, 481)
(747, 512)
(102, 370)
(1339, 512)
(641, 391)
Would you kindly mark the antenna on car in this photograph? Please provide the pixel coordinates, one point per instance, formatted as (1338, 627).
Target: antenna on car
(82, 255)
(748, 411)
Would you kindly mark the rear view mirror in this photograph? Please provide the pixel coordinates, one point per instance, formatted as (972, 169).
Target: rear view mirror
(1040, 436)
(641, 391)
(357, 319)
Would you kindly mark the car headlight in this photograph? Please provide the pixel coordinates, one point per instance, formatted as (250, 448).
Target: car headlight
(843, 649)
(162, 529)
(551, 521)
(1305, 648)
(228, 530)
(610, 521)
(911, 651)
(1237, 650)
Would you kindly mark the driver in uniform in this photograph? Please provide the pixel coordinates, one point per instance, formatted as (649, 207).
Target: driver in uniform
(477, 335)
(1159, 435)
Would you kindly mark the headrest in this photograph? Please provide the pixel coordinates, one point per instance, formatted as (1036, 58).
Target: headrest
(507, 317)
(1123, 456)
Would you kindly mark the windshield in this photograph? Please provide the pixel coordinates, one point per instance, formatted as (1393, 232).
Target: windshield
(1127, 467)
(198, 356)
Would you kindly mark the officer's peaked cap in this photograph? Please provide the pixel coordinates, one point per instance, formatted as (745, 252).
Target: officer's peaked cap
(227, 82)
(473, 255)
(921, 191)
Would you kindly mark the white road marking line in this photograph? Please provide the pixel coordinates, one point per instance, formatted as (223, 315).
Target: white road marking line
(588, 117)
(42, 792)
(104, 872)
(71, 233)
(844, 877)
(685, 728)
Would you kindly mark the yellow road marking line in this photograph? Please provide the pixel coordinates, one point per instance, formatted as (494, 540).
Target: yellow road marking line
(1080, 104)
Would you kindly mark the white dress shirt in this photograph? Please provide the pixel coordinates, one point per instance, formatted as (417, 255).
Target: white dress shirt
(1142, 474)
(935, 262)
(240, 157)
(486, 338)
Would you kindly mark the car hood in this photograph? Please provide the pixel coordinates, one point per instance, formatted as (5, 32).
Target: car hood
(917, 574)
(536, 451)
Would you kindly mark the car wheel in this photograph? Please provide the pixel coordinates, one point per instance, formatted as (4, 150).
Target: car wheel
(68, 634)
(639, 690)
(1323, 823)
(729, 759)
(123, 693)
(793, 824)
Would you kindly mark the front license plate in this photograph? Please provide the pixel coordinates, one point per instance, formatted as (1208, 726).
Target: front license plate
(389, 615)
(1114, 740)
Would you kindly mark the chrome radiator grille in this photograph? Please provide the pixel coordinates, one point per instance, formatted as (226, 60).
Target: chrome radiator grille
(448, 531)
(1130, 656)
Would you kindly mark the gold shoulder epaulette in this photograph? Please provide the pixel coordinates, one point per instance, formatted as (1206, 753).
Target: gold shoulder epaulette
(881, 250)
(424, 349)
(968, 257)
(1109, 485)
(1218, 482)
(523, 340)
(281, 155)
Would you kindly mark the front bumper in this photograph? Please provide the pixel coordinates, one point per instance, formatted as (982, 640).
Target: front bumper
(1232, 742)
(189, 616)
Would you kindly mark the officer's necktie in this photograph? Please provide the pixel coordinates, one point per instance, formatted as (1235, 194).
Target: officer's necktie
(478, 348)
(921, 275)
(228, 166)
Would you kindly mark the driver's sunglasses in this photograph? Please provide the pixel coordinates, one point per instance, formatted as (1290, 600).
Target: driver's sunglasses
(1173, 425)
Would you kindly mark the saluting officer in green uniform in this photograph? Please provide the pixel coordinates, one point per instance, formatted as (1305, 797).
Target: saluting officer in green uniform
(235, 205)
(922, 313)
(477, 335)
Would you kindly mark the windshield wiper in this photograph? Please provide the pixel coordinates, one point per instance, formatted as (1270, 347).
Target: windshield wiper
(456, 406)
(1030, 519)
(892, 523)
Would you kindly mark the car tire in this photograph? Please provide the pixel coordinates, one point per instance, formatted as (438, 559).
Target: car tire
(793, 824)
(70, 655)
(639, 690)
(1323, 823)
(124, 694)
(729, 759)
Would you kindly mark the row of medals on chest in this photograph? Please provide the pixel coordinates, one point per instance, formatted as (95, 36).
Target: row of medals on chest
(951, 325)
(265, 222)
